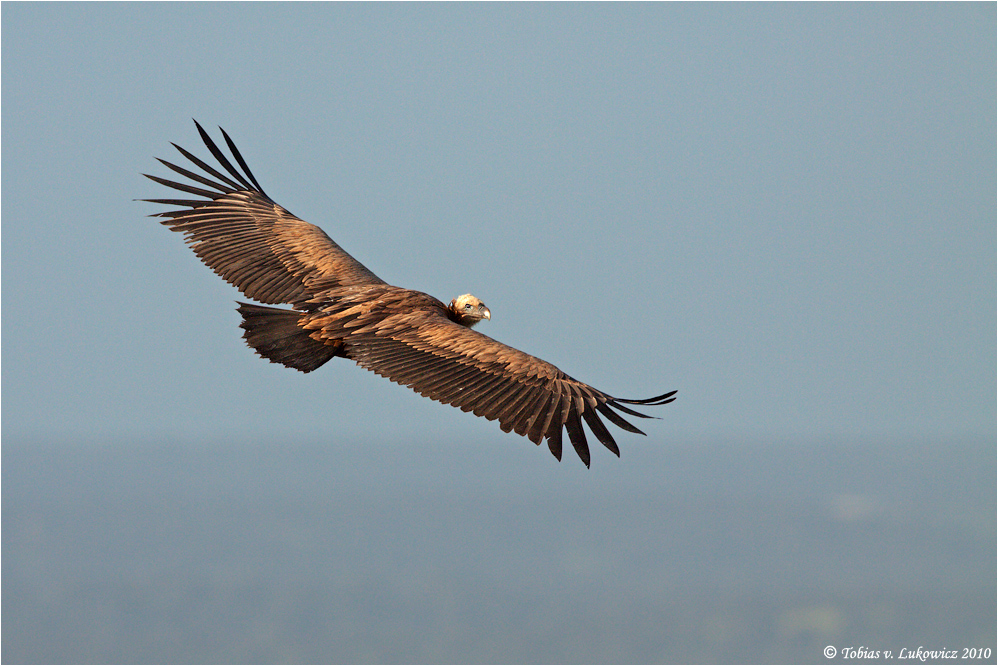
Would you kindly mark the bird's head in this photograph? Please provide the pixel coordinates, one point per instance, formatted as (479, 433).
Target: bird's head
(468, 310)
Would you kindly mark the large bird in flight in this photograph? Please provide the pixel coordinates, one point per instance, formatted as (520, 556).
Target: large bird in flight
(340, 308)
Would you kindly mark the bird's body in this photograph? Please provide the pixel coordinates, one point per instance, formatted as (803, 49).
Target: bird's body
(341, 308)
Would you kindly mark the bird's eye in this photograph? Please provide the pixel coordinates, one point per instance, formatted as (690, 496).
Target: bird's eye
(467, 306)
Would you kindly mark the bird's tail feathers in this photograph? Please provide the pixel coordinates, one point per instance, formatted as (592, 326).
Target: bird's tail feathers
(275, 335)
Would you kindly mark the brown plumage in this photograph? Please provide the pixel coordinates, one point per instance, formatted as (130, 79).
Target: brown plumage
(343, 309)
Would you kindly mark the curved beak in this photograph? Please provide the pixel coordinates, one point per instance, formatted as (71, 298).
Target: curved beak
(486, 314)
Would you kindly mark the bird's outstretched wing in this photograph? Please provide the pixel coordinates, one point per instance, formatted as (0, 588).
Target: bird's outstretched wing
(409, 339)
(256, 245)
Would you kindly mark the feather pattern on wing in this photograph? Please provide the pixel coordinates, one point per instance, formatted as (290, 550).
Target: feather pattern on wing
(408, 338)
(253, 243)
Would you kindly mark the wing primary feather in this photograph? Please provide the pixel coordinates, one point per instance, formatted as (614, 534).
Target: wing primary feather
(546, 425)
(626, 410)
(222, 159)
(538, 423)
(663, 399)
(239, 158)
(193, 176)
(566, 407)
(190, 189)
(554, 443)
(617, 420)
(577, 436)
(193, 203)
(208, 168)
(602, 434)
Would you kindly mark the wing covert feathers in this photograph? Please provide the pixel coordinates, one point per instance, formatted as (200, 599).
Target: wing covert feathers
(343, 309)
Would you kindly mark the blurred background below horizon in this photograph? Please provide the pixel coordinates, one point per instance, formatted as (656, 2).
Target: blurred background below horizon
(786, 212)
(269, 552)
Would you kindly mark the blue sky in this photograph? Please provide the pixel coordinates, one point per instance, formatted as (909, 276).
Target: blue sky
(786, 212)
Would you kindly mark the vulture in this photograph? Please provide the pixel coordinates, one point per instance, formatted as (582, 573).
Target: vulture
(340, 308)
